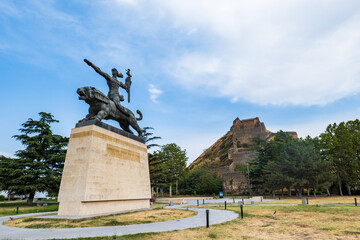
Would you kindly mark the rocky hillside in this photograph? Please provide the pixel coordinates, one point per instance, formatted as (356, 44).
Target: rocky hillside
(216, 156)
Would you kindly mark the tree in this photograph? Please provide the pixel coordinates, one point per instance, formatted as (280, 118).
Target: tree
(149, 138)
(341, 145)
(200, 181)
(268, 152)
(175, 163)
(39, 166)
(157, 169)
(288, 163)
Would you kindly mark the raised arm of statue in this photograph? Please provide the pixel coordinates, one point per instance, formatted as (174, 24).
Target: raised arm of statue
(97, 69)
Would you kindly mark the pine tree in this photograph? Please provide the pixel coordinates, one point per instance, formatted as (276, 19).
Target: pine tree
(340, 144)
(39, 166)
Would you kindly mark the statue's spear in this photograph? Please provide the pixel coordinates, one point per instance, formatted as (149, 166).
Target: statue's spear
(128, 83)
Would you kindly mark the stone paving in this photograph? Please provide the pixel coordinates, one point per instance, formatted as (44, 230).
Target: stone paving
(216, 216)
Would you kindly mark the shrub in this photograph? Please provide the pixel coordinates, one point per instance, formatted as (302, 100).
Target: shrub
(2, 198)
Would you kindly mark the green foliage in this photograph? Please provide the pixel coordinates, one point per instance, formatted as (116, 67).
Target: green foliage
(200, 181)
(149, 137)
(175, 161)
(298, 166)
(39, 166)
(157, 169)
(341, 145)
(288, 163)
(241, 169)
(245, 145)
(2, 198)
(167, 165)
(268, 152)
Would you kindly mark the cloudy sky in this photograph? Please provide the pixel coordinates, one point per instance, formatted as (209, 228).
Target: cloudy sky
(196, 65)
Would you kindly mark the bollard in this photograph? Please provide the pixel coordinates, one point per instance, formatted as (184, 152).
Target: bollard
(307, 201)
(225, 205)
(197, 202)
(355, 202)
(233, 200)
(241, 209)
(17, 210)
(242, 201)
(207, 218)
(203, 201)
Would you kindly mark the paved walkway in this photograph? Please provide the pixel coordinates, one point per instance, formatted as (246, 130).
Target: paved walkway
(216, 216)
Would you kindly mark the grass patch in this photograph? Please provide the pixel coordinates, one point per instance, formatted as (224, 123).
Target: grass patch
(148, 216)
(212, 235)
(9, 208)
(314, 221)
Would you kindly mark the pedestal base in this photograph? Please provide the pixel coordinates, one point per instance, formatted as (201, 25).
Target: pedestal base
(104, 172)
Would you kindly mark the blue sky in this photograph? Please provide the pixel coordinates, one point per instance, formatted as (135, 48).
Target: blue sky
(196, 65)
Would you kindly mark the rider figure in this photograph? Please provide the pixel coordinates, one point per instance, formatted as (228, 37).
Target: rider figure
(113, 84)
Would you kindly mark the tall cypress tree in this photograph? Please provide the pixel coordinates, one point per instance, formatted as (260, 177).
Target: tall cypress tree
(39, 166)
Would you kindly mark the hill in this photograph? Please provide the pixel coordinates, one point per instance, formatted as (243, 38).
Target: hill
(229, 155)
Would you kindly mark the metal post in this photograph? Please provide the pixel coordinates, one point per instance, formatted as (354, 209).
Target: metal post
(233, 200)
(197, 202)
(242, 213)
(17, 210)
(225, 205)
(203, 201)
(307, 201)
(207, 218)
(355, 202)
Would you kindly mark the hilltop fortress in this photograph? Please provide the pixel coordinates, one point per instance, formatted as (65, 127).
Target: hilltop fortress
(229, 156)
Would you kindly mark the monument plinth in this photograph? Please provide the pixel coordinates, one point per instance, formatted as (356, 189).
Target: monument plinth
(106, 170)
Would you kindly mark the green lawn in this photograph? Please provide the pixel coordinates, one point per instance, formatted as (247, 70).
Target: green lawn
(8, 208)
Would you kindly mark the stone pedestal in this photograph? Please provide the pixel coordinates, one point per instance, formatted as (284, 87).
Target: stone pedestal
(105, 171)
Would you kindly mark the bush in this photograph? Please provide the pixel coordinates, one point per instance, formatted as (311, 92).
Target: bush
(200, 181)
(2, 198)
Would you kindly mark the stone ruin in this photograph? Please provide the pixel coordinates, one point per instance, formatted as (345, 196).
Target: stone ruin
(246, 134)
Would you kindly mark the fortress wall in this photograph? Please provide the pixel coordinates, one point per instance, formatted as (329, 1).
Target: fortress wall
(235, 183)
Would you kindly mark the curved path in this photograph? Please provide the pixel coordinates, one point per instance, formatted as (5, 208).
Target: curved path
(216, 216)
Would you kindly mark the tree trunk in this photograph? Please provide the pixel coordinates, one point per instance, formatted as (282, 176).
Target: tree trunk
(170, 192)
(162, 192)
(289, 191)
(308, 192)
(177, 183)
(300, 193)
(157, 191)
(328, 192)
(348, 189)
(282, 192)
(339, 183)
(30, 199)
(314, 191)
(152, 192)
(273, 195)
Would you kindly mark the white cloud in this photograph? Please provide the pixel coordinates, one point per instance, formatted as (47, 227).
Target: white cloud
(5, 154)
(300, 52)
(270, 52)
(154, 93)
